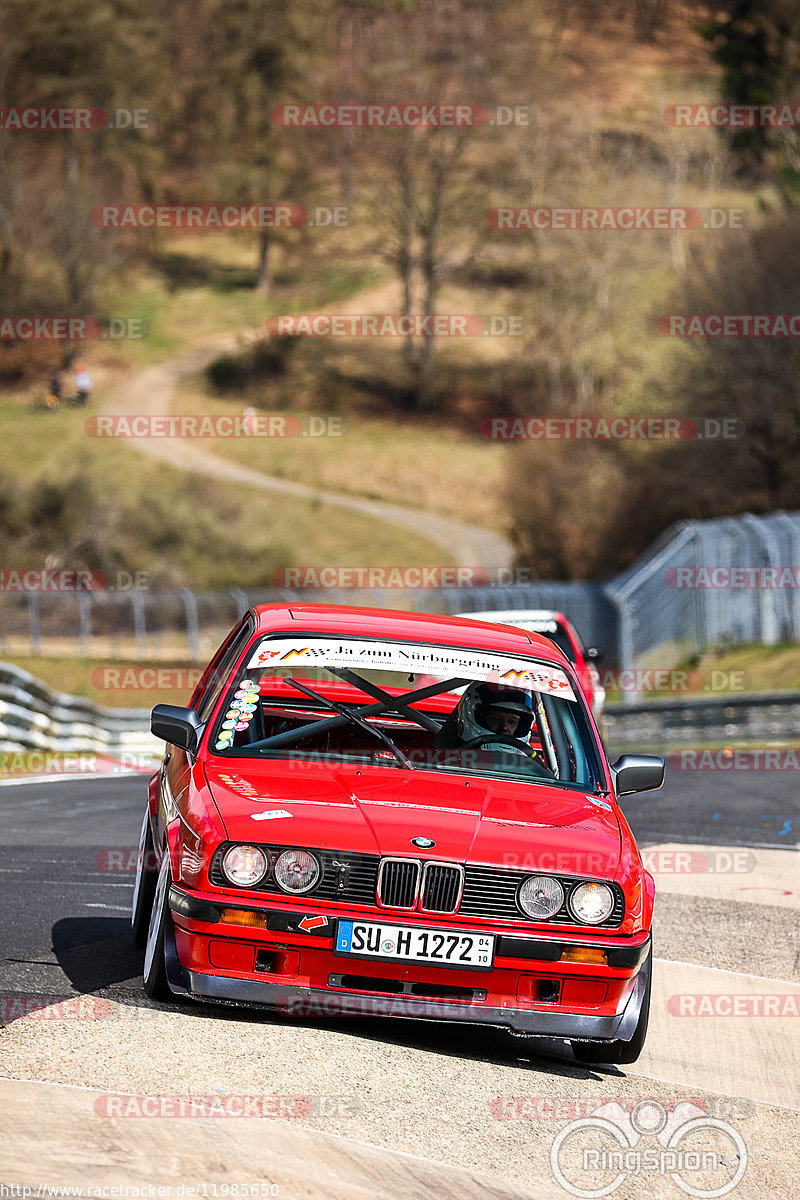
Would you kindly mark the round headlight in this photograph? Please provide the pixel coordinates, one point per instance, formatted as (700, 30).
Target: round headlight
(540, 896)
(296, 871)
(591, 903)
(244, 865)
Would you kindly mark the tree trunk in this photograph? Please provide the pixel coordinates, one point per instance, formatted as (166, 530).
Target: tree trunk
(264, 281)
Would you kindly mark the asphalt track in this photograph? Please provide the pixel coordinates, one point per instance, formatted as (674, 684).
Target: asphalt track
(726, 927)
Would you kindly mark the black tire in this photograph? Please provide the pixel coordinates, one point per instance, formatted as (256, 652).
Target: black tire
(156, 984)
(619, 1052)
(144, 888)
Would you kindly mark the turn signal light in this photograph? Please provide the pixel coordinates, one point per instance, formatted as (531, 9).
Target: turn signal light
(584, 954)
(243, 916)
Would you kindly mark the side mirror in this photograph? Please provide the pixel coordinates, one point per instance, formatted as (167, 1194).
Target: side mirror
(594, 654)
(638, 773)
(180, 726)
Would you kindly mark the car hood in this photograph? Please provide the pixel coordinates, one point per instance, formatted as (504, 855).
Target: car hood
(518, 826)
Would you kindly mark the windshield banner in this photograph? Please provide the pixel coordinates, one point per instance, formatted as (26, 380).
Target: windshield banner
(440, 661)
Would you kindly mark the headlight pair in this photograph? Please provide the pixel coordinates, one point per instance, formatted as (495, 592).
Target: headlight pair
(295, 871)
(541, 896)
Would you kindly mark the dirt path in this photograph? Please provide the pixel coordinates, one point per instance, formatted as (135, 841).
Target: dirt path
(150, 393)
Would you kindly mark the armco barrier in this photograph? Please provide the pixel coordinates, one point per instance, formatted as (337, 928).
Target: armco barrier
(32, 717)
(760, 719)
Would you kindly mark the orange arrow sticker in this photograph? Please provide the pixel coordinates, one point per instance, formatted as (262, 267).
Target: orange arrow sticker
(309, 923)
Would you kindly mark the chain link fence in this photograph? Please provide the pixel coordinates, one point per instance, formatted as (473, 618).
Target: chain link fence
(702, 584)
(708, 583)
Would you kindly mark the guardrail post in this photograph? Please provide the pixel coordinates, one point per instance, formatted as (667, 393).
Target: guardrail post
(240, 599)
(34, 624)
(85, 619)
(192, 624)
(625, 614)
(139, 623)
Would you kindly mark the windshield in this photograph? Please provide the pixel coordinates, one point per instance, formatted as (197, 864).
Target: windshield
(409, 706)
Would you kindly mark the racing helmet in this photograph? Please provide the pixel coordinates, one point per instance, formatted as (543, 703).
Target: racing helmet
(479, 698)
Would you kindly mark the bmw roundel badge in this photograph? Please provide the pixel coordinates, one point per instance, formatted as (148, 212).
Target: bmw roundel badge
(423, 842)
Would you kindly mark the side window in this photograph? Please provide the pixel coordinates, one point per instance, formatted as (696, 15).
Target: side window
(220, 669)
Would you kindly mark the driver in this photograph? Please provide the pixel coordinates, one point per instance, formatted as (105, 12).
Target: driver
(487, 708)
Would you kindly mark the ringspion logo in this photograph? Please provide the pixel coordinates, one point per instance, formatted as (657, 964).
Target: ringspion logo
(594, 1155)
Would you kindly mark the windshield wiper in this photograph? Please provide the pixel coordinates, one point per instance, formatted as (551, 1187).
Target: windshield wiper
(355, 718)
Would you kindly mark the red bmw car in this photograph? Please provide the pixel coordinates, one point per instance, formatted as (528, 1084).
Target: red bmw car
(380, 813)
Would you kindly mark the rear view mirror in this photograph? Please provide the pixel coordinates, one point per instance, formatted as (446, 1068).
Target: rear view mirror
(180, 726)
(638, 773)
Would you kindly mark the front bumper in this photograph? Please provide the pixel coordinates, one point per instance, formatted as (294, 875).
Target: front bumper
(188, 951)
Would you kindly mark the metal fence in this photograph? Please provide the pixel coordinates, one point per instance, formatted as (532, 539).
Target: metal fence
(681, 597)
(708, 583)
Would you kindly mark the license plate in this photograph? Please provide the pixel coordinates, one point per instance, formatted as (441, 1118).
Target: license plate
(439, 947)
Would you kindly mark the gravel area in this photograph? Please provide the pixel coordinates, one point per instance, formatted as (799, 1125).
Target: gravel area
(438, 1092)
(756, 939)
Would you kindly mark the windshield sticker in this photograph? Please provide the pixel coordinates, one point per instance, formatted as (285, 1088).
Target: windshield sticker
(239, 713)
(411, 657)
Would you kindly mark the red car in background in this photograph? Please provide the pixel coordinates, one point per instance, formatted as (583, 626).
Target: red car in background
(556, 627)
(380, 813)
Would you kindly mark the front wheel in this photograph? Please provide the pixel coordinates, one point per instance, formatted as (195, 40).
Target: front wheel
(156, 984)
(619, 1052)
(144, 888)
